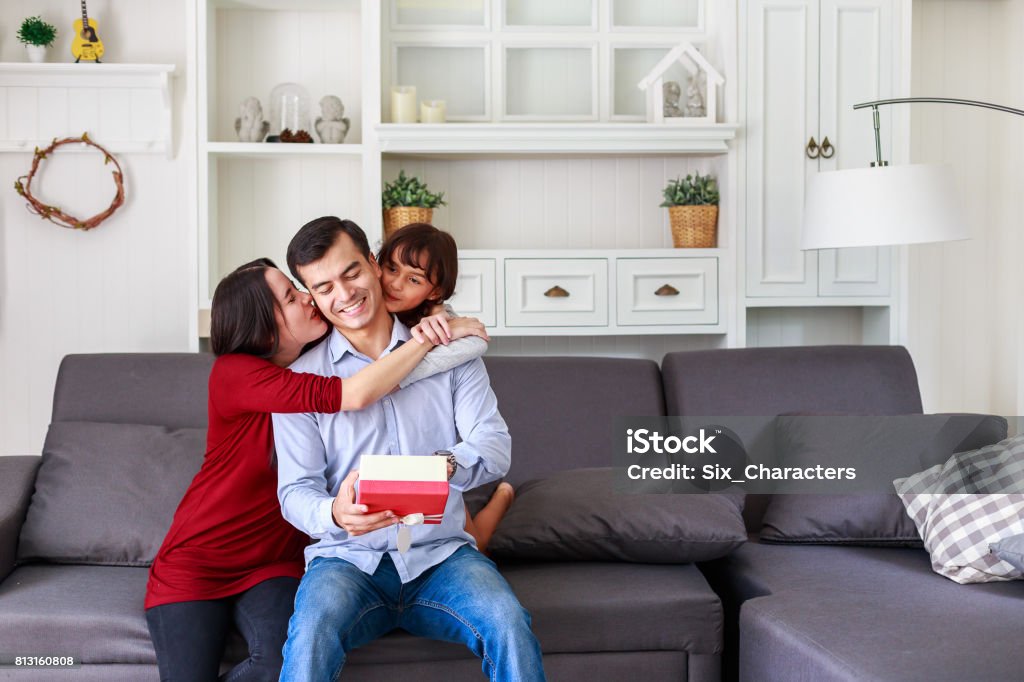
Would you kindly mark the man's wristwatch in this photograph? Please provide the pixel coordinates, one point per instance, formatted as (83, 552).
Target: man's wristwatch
(452, 463)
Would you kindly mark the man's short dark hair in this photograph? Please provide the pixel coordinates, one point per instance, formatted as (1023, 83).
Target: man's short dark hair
(313, 240)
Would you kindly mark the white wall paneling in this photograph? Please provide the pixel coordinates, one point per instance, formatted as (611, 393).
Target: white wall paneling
(124, 286)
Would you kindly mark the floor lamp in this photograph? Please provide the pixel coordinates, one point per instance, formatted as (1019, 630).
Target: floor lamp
(886, 205)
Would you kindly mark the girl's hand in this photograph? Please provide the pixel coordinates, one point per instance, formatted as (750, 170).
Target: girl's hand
(468, 326)
(435, 328)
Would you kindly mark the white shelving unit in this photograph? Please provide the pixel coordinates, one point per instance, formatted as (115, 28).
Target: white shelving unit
(124, 107)
(534, 103)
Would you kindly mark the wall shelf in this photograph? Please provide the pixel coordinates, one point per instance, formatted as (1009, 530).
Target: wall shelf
(274, 149)
(554, 138)
(124, 107)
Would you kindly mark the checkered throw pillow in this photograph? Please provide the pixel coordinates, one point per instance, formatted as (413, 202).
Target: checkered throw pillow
(960, 507)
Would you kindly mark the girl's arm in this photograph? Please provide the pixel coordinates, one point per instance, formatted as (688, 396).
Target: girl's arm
(379, 378)
(376, 380)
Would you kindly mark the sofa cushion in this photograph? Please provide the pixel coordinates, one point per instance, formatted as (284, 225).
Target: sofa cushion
(853, 613)
(559, 411)
(882, 449)
(95, 612)
(764, 382)
(578, 515)
(168, 389)
(106, 493)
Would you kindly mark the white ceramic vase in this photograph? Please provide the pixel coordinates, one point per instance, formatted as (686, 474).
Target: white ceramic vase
(36, 53)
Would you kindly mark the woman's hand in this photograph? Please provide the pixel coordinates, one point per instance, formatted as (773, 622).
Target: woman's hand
(434, 328)
(467, 326)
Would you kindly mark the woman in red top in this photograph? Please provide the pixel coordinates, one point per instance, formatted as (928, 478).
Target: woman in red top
(229, 557)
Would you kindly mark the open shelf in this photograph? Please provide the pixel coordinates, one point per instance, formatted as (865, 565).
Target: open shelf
(554, 138)
(268, 149)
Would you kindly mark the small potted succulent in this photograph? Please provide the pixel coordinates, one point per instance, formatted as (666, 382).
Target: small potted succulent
(37, 35)
(407, 200)
(693, 211)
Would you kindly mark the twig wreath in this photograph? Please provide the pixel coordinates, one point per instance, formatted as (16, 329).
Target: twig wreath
(53, 213)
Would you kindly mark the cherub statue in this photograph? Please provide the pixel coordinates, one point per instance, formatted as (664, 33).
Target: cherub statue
(250, 125)
(694, 97)
(671, 92)
(331, 125)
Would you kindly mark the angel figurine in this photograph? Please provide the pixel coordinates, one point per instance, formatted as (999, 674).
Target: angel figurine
(331, 125)
(250, 125)
(671, 92)
(694, 97)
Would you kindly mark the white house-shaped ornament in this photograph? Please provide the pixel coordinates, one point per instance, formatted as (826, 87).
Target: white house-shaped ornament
(695, 64)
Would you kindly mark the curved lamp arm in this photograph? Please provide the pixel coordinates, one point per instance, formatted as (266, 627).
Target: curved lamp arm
(936, 100)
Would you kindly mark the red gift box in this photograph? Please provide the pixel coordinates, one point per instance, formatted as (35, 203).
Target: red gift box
(405, 484)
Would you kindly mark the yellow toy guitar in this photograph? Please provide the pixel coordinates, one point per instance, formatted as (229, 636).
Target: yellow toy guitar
(86, 45)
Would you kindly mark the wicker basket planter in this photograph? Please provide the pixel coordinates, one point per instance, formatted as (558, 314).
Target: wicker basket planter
(400, 216)
(694, 227)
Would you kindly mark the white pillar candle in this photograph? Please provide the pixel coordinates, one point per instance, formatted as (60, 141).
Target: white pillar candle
(432, 111)
(403, 104)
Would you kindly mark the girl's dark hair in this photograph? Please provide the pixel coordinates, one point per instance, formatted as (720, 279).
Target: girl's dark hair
(242, 319)
(414, 244)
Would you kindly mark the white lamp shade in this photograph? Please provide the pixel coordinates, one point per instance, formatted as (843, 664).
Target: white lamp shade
(908, 204)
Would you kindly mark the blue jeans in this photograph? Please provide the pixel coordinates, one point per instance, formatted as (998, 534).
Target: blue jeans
(463, 599)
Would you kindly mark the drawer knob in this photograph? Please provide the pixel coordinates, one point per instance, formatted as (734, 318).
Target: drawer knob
(666, 290)
(556, 292)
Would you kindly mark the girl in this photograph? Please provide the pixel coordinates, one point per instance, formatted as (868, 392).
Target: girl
(419, 265)
(229, 556)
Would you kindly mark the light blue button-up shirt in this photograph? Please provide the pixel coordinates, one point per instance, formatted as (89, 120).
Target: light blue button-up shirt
(316, 451)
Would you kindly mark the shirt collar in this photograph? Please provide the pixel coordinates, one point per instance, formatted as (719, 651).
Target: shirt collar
(339, 345)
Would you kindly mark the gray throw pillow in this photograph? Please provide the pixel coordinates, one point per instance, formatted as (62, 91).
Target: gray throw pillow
(883, 447)
(1010, 550)
(106, 493)
(577, 515)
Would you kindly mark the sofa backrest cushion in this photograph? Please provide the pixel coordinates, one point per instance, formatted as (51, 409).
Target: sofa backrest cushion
(560, 410)
(764, 382)
(105, 493)
(166, 389)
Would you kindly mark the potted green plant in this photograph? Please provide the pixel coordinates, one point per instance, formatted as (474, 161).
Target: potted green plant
(407, 200)
(693, 211)
(37, 35)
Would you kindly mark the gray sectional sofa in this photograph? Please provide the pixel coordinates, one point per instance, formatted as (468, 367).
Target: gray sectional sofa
(765, 612)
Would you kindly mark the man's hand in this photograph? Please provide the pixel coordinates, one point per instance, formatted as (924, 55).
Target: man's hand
(433, 327)
(352, 517)
(467, 326)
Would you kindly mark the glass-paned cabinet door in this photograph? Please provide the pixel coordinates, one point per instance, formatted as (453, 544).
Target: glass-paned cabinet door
(551, 83)
(550, 14)
(412, 15)
(457, 74)
(630, 65)
(647, 15)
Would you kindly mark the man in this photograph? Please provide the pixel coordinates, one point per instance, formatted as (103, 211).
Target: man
(357, 585)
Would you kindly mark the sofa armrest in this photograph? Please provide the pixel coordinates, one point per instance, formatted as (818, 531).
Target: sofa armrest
(17, 481)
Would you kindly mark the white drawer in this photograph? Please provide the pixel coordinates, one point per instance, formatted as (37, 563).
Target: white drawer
(475, 294)
(556, 292)
(667, 291)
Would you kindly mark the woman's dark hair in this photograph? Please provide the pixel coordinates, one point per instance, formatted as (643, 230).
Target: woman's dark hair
(242, 319)
(314, 238)
(414, 244)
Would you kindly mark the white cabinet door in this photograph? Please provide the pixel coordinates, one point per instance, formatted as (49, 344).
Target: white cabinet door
(782, 116)
(808, 63)
(856, 65)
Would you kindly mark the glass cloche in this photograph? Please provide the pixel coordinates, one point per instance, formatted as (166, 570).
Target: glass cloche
(289, 111)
